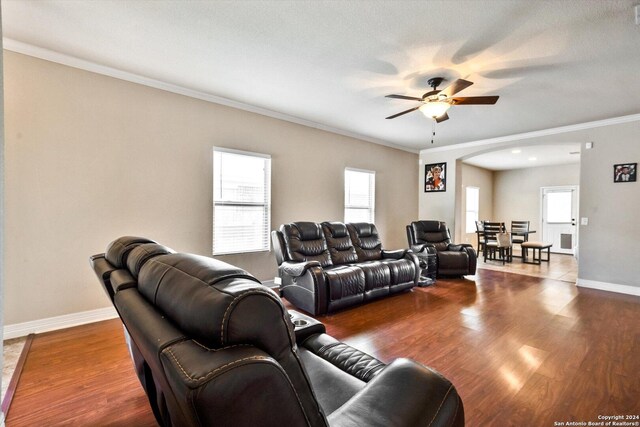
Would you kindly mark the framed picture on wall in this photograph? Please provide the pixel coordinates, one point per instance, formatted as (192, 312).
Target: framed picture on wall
(625, 172)
(435, 177)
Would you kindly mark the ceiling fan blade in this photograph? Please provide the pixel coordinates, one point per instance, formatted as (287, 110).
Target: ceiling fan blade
(442, 118)
(404, 112)
(411, 98)
(477, 100)
(455, 87)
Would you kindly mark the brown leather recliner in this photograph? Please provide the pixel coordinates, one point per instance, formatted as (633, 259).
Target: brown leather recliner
(453, 260)
(212, 346)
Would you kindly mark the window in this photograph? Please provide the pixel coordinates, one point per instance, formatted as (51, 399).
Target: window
(241, 201)
(359, 195)
(559, 206)
(473, 208)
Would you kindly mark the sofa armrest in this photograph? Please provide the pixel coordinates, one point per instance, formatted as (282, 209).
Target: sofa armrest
(199, 377)
(471, 253)
(423, 247)
(405, 393)
(297, 269)
(458, 247)
(397, 254)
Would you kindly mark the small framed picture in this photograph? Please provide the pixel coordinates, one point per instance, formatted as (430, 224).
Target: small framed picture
(435, 177)
(625, 172)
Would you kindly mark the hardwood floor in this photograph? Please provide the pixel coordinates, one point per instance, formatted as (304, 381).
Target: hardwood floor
(80, 376)
(521, 350)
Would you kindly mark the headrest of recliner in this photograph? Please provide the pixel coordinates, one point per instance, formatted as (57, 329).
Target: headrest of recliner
(119, 249)
(142, 253)
(215, 303)
(337, 229)
(308, 230)
(364, 229)
(429, 226)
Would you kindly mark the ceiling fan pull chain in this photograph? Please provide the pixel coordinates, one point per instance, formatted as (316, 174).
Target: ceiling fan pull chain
(433, 130)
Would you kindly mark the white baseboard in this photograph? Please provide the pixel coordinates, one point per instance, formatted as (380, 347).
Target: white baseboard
(610, 287)
(58, 322)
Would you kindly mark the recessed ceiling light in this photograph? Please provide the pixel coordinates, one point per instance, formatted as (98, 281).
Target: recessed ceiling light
(516, 151)
(533, 159)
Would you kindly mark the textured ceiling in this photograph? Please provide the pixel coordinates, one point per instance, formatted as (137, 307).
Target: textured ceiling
(553, 63)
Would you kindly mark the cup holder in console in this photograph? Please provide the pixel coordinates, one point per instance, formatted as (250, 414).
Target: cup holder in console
(304, 325)
(299, 323)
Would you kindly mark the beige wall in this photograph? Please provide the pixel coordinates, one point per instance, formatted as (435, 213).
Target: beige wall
(473, 176)
(608, 252)
(517, 192)
(90, 158)
(606, 245)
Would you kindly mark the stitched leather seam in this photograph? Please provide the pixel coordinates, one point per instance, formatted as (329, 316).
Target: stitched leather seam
(324, 348)
(231, 276)
(155, 294)
(297, 286)
(368, 371)
(218, 369)
(440, 407)
(295, 354)
(455, 411)
(218, 349)
(234, 302)
(237, 362)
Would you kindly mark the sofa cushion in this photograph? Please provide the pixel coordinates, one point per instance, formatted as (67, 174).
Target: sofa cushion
(377, 275)
(366, 240)
(402, 271)
(344, 281)
(305, 241)
(339, 243)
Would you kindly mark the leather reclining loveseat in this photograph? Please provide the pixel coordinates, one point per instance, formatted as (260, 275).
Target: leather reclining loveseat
(212, 346)
(329, 266)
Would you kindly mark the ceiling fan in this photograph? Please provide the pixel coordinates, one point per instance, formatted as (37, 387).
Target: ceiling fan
(435, 103)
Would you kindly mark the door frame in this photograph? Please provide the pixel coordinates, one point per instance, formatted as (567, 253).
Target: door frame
(576, 188)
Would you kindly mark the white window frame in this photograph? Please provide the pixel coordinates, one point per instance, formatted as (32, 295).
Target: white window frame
(372, 197)
(266, 204)
(470, 229)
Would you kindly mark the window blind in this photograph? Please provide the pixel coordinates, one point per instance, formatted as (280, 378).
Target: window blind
(359, 195)
(241, 201)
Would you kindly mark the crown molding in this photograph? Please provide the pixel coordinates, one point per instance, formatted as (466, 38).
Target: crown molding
(72, 61)
(537, 133)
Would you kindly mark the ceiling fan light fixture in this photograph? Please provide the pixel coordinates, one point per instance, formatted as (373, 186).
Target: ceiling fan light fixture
(434, 109)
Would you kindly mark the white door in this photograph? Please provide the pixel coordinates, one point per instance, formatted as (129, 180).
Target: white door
(559, 214)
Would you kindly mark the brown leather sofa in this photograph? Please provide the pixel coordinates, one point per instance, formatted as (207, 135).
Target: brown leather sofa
(329, 266)
(453, 260)
(212, 346)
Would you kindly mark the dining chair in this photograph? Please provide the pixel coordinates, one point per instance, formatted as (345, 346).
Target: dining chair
(505, 246)
(519, 232)
(480, 234)
(490, 244)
